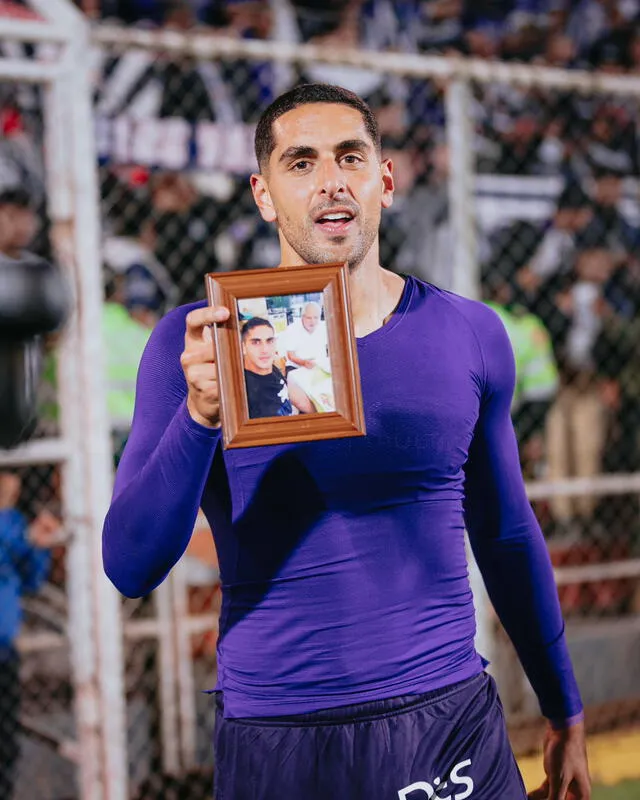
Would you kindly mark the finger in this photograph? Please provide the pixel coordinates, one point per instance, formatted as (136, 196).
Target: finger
(558, 788)
(580, 789)
(202, 377)
(541, 793)
(197, 319)
(197, 353)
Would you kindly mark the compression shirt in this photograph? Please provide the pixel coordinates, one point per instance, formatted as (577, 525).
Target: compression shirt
(342, 562)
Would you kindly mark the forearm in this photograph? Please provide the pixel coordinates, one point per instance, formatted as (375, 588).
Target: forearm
(155, 504)
(295, 360)
(519, 578)
(507, 540)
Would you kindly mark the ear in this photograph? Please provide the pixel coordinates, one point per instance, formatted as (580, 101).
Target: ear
(262, 197)
(386, 175)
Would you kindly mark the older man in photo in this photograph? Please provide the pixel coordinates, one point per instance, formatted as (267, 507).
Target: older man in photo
(306, 347)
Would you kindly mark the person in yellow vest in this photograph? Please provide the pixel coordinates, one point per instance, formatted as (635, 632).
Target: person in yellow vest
(126, 330)
(537, 376)
(125, 334)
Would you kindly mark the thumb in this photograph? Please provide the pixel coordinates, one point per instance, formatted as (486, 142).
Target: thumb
(541, 793)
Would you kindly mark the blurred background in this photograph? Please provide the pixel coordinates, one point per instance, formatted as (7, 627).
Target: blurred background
(126, 131)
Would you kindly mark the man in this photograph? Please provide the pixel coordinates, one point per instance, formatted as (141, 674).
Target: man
(347, 665)
(308, 367)
(267, 392)
(305, 340)
(18, 222)
(24, 563)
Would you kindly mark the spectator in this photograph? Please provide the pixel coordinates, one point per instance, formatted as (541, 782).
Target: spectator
(24, 562)
(183, 232)
(125, 335)
(166, 86)
(537, 378)
(416, 233)
(557, 245)
(609, 222)
(18, 222)
(359, 24)
(591, 20)
(577, 423)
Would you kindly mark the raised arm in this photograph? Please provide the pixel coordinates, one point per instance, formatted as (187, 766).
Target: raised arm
(164, 468)
(514, 561)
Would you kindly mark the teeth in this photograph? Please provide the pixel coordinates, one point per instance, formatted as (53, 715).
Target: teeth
(333, 217)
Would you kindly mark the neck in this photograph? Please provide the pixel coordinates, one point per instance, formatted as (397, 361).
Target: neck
(257, 370)
(374, 291)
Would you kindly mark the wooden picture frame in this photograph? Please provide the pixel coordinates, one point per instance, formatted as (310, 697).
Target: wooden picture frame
(330, 281)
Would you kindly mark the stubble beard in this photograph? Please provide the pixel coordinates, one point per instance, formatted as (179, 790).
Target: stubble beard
(312, 252)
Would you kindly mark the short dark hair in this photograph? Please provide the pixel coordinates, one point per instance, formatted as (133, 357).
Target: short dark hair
(15, 196)
(255, 322)
(303, 95)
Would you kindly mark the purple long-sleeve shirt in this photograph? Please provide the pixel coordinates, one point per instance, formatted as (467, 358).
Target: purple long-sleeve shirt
(343, 561)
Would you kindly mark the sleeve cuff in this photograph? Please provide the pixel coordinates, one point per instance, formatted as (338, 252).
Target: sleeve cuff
(561, 724)
(194, 428)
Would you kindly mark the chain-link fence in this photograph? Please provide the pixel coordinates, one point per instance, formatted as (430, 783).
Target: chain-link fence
(554, 226)
(557, 233)
(549, 217)
(37, 728)
(57, 697)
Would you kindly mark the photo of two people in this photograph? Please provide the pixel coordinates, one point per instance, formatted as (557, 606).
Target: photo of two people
(285, 351)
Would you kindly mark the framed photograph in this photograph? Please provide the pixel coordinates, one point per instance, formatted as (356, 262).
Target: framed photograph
(287, 359)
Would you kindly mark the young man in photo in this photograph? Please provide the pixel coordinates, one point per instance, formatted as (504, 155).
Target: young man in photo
(346, 659)
(267, 391)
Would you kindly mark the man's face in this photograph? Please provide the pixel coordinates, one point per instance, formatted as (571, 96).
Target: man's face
(608, 190)
(259, 349)
(324, 185)
(310, 318)
(17, 227)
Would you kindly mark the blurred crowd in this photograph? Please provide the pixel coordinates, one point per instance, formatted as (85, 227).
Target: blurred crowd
(573, 33)
(564, 276)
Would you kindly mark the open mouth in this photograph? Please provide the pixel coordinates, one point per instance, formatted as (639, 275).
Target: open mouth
(335, 222)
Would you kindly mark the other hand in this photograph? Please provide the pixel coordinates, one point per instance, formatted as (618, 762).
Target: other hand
(198, 365)
(565, 765)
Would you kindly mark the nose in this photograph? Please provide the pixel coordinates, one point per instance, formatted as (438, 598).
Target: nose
(332, 180)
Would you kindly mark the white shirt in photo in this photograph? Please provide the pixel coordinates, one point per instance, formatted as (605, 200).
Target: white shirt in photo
(297, 339)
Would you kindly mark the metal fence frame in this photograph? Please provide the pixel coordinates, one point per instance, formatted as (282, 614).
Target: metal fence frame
(95, 629)
(83, 449)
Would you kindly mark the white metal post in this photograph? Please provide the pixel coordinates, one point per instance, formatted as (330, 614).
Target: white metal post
(79, 592)
(92, 421)
(184, 659)
(167, 678)
(466, 281)
(466, 278)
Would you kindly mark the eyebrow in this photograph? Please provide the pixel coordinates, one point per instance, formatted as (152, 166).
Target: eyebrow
(305, 151)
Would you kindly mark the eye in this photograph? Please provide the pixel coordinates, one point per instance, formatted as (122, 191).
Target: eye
(300, 166)
(352, 159)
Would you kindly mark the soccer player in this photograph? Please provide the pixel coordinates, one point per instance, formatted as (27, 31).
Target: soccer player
(347, 667)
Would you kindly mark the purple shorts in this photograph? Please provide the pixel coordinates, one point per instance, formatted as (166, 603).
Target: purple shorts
(450, 744)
